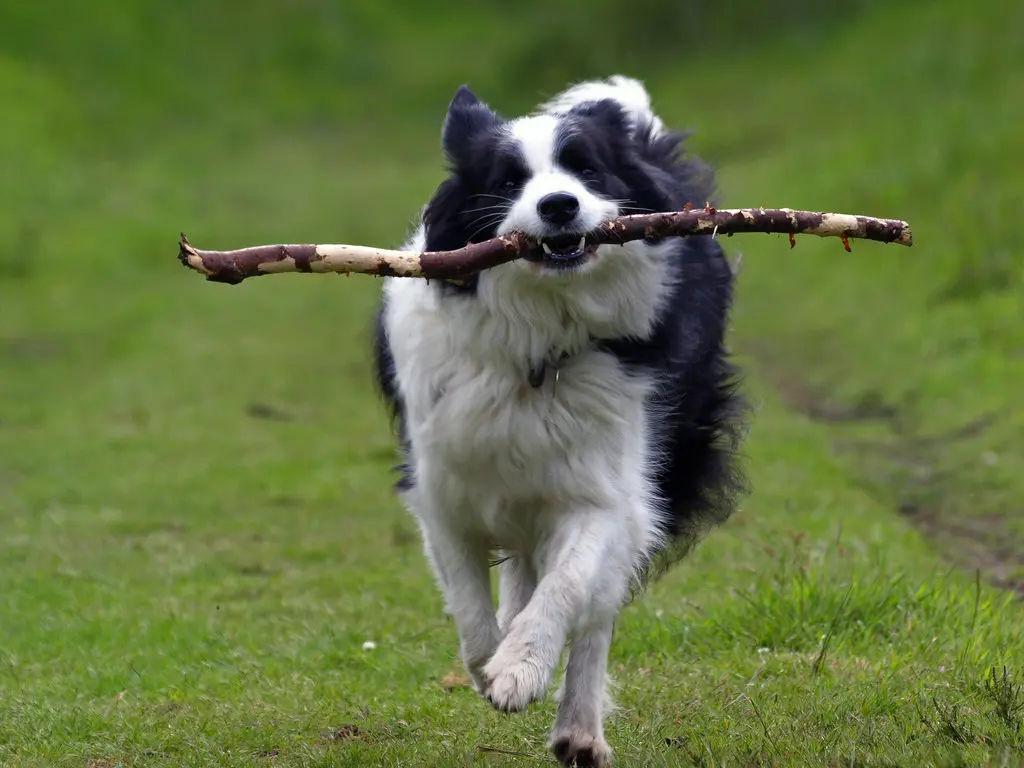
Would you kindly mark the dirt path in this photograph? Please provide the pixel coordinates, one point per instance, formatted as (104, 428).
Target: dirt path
(956, 504)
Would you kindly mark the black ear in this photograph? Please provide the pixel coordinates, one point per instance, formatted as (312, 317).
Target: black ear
(464, 98)
(607, 113)
(467, 116)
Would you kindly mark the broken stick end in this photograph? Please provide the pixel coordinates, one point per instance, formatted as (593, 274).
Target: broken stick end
(188, 256)
(191, 258)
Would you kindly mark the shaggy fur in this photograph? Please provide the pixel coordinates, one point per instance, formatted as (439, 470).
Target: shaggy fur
(575, 411)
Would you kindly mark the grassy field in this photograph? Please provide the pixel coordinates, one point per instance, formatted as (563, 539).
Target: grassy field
(198, 537)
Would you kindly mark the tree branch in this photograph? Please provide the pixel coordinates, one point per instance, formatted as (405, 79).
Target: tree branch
(235, 266)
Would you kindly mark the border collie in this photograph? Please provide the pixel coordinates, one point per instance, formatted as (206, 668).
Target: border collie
(573, 412)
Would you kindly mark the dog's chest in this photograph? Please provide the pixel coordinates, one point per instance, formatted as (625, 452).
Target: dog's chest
(479, 429)
(498, 433)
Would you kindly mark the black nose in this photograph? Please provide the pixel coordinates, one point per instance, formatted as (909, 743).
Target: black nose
(558, 207)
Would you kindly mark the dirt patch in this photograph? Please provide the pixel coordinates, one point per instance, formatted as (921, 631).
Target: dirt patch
(454, 680)
(267, 412)
(933, 488)
(974, 543)
(32, 348)
(345, 733)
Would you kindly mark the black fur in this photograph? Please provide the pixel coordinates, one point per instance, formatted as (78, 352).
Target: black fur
(700, 411)
(699, 408)
(384, 377)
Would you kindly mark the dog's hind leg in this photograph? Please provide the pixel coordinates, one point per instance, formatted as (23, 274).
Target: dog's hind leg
(578, 735)
(462, 566)
(516, 582)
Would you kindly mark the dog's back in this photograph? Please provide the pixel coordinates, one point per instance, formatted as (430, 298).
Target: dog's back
(575, 410)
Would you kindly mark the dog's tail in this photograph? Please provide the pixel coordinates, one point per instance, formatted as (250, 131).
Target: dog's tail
(627, 91)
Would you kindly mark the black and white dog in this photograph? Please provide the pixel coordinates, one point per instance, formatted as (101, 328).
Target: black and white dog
(574, 411)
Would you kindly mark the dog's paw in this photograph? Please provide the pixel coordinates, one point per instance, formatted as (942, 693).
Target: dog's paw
(475, 659)
(511, 687)
(574, 748)
(476, 669)
(479, 682)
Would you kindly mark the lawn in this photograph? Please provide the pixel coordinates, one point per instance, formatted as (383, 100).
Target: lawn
(201, 558)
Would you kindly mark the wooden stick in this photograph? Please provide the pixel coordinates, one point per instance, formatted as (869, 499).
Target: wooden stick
(235, 266)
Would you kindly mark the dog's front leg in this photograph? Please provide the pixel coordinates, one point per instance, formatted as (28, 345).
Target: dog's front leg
(585, 571)
(461, 563)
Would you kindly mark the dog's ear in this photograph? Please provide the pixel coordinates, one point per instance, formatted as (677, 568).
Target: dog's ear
(467, 116)
(464, 98)
(607, 113)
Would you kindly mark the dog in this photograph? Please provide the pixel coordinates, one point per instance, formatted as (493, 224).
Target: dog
(575, 412)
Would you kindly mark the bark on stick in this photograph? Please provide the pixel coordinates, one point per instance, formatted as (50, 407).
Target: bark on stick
(235, 266)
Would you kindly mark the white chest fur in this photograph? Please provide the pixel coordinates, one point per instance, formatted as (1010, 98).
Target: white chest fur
(492, 443)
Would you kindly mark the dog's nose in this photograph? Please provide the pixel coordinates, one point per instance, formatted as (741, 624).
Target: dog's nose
(558, 208)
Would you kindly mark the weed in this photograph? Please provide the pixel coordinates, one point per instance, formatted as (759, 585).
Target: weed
(1007, 697)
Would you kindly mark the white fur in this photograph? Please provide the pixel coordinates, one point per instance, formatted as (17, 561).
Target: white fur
(628, 92)
(556, 478)
(536, 136)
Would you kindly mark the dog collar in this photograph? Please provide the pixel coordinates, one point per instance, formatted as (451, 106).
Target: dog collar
(538, 373)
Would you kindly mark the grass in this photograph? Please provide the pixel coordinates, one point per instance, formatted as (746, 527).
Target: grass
(197, 532)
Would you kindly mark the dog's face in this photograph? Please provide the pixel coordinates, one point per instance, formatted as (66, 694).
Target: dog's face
(554, 177)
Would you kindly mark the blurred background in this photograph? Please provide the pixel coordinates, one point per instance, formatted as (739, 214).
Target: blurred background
(148, 419)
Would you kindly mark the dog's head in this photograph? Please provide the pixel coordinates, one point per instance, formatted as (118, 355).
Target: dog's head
(553, 175)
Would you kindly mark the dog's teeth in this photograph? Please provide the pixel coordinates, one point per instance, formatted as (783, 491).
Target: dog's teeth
(545, 247)
(583, 242)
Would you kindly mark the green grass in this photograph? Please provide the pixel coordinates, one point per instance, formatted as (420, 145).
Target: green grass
(197, 531)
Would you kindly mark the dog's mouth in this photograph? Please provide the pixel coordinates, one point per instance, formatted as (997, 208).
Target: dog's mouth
(562, 251)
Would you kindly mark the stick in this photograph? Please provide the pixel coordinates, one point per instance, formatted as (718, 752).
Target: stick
(235, 266)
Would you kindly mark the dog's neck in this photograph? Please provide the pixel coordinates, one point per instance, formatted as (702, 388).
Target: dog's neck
(538, 372)
(509, 318)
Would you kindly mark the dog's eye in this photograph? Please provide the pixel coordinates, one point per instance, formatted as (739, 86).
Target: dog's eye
(511, 179)
(576, 161)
